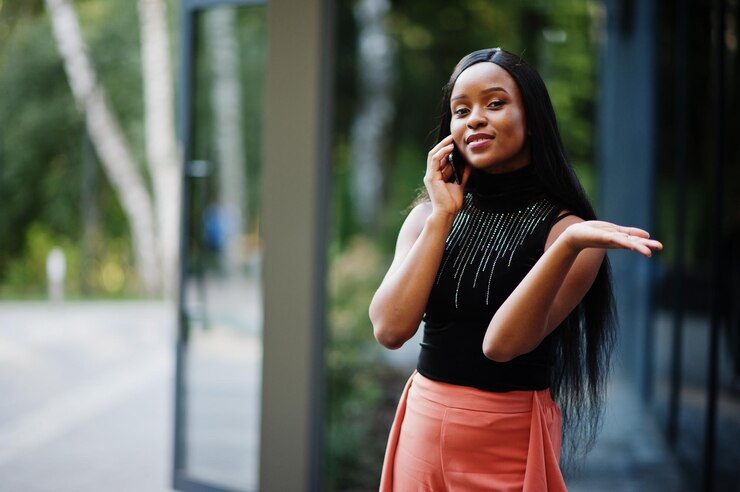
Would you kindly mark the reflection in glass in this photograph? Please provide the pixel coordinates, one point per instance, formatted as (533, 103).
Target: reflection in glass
(222, 295)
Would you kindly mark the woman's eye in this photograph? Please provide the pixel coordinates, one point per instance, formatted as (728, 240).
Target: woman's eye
(495, 104)
(460, 111)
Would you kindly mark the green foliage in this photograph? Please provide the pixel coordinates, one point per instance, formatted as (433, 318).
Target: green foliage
(356, 427)
(109, 272)
(39, 145)
(44, 152)
(430, 37)
(27, 275)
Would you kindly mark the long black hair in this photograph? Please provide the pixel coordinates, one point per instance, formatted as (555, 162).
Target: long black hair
(584, 342)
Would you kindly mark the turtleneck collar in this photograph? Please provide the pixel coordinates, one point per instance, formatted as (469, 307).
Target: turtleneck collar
(505, 191)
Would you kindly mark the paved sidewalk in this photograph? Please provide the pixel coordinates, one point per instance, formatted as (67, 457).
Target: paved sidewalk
(87, 406)
(630, 454)
(86, 397)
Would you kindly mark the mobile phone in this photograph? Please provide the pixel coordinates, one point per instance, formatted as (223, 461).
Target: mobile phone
(458, 166)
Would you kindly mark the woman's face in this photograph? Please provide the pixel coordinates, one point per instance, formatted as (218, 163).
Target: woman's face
(488, 123)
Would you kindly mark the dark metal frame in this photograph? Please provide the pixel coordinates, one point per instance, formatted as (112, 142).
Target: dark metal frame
(710, 431)
(676, 380)
(719, 12)
(190, 8)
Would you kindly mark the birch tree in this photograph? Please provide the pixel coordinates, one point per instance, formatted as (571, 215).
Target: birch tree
(368, 139)
(226, 105)
(152, 215)
(162, 152)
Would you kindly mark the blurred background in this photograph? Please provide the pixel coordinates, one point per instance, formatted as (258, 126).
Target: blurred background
(132, 246)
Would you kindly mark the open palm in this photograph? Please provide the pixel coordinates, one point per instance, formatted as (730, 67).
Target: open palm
(600, 234)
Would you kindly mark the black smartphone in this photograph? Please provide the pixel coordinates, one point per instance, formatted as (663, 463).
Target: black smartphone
(458, 166)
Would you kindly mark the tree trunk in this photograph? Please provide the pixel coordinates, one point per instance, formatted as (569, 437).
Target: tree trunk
(108, 140)
(226, 105)
(163, 156)
(369, 144)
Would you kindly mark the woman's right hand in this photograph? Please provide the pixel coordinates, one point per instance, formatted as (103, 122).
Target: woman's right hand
(446, 198)
(399, 303)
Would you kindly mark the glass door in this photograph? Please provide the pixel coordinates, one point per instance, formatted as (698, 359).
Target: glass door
(219, 342)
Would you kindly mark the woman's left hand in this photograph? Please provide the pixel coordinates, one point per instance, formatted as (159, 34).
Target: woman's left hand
(600, 234)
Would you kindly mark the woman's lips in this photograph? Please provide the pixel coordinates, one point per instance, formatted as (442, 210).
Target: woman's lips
(480, 143)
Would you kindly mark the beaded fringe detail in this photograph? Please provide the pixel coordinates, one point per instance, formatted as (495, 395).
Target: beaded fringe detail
(483, 238)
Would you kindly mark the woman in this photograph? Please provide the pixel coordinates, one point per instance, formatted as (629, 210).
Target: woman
(505, 264)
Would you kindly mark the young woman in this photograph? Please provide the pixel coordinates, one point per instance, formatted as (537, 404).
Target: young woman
(505, 264)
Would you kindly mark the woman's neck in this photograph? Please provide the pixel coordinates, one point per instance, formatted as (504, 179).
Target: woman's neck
(505, 189)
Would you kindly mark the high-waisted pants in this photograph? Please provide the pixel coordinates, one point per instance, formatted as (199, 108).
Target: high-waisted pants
(447, 437)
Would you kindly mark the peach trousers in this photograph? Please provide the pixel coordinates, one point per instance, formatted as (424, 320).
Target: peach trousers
(453, 438)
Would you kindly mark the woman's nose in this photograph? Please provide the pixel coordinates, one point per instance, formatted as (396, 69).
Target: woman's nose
(476, 119)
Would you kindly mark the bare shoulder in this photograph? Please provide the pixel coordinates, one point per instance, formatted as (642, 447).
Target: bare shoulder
(560, 226)
(589, 259)
(410, 232)
(416, 219)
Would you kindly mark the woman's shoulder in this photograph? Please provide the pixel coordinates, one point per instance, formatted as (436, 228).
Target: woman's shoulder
(561, 220)
(420, 208)
(413, 225)
(415, 220)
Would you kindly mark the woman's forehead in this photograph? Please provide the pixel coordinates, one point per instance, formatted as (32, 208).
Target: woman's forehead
(482, 76)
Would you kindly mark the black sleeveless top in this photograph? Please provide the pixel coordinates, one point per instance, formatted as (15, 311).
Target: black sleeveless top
(496, 238)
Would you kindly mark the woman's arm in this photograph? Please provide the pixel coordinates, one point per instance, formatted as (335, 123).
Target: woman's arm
(557, 283)
(399, 303)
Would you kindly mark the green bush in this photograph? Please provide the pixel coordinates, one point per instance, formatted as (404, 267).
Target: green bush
(362, 391)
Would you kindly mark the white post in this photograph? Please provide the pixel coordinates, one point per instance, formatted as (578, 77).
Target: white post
(56, 268)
